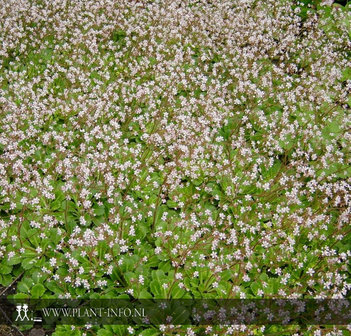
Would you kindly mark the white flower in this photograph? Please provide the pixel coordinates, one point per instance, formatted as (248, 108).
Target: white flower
(11, 255)
(310, 271)
(179, 276)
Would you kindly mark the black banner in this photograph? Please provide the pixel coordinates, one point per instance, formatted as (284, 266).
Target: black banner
(176, 312)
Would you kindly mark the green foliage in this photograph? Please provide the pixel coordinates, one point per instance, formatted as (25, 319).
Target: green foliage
(184, 164)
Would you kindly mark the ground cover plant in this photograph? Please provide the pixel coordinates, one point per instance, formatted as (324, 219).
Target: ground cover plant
(175, 149)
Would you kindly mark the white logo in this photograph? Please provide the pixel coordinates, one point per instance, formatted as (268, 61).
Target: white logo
(22, 314)
(22, 309)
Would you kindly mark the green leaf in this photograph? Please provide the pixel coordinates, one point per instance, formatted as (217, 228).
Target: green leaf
(104, 332)
(62, 271)
(81, 291)
(264, 277)
(60, 333)
(273, 171)
(99, 210)
(14, 260)
(149, 332)
(24, 285)
(157, 290)
(5, 280)
(254, 287)
(153, 261)
(118, 276)
(20, 296)
(165, 266)
(144, 294)
(28, 263)
(129, 263)
(177, 292)
(37, 291)
(172, 204)
(5, 269)
(123, 297)
(129, 276)
(119, 330)
(158, 275)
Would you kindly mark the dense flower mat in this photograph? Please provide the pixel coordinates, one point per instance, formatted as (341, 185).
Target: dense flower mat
(175, 149)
